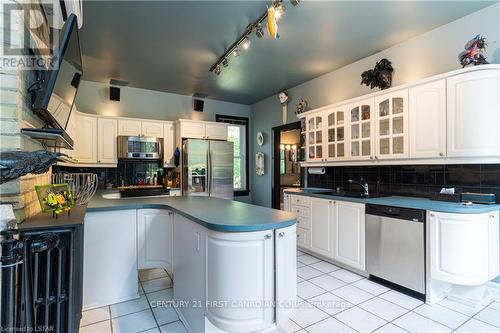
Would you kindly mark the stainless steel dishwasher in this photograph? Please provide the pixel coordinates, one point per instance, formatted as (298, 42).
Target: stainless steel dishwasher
(395, 245)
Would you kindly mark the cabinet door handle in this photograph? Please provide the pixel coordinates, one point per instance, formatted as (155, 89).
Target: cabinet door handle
(281, 234)
(432, 215)
(268, 236)
(441, 154)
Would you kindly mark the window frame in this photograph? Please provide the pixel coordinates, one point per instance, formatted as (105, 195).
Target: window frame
(242, 121)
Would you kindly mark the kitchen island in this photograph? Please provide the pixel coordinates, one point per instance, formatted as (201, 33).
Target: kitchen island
(234, 264)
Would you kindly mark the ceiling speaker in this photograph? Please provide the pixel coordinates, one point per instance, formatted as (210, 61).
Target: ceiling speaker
(198, 105)
(114, 94)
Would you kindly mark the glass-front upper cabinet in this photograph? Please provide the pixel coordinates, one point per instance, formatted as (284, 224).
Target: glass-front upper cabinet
(336, 133)
(361, 122)
(314, 137)
(392, 125)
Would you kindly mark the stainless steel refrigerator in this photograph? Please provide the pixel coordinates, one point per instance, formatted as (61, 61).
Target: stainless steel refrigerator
(207, 168)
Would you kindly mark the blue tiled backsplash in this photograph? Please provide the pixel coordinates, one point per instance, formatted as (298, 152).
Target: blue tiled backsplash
(414, 180)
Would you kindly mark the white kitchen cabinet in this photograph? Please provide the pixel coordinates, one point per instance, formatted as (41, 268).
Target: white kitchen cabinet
(473, 117)
(464, 247)
(349, 234)
(361, 130)
(191, 129)
(286, 273)
(427, 117)
(202, 130)
(235, 260)
(391, 114)
(304, 238)
(106, 140)
(168, 144)
(86, 139)
(286, 202)
(336, 132)
(314, 137)
(129, 127)
(154, 238)
(152, 129)
(322, 225)
(216, 131)
(109, 264)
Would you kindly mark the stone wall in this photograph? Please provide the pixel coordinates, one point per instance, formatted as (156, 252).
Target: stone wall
(15, 113)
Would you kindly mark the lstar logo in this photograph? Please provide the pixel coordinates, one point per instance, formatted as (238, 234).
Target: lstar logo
(27, 38)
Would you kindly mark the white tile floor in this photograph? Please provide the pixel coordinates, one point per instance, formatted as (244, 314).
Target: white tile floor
(340, 301)
(138, 315)
(331, 300)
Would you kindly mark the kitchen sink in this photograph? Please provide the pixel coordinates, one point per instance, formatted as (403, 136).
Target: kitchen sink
(354, 194)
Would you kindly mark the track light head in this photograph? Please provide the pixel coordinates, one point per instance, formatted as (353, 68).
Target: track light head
(236, 51)
(259, 31)
(225, 62)
(217, 70)
(245, 43)
(294, 2)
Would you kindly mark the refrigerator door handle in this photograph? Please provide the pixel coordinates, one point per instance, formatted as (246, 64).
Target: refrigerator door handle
(209, 168)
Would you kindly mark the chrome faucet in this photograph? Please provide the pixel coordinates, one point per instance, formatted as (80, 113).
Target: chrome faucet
(362, 183)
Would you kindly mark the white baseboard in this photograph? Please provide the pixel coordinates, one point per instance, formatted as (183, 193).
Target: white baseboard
(494, 290)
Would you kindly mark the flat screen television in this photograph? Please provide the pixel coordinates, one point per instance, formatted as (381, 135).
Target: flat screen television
(55, 100)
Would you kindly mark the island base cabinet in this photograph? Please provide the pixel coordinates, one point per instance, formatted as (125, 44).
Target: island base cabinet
(189, 272)
(464, 247)
(286, 273)
(154, 238)
(240, 274)
(107, 279)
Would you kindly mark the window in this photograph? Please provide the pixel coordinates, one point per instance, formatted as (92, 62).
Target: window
(237, 133)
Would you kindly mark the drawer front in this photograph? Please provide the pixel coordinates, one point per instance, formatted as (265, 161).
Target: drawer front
(303, 222)
(300, 200)
(303, 238)
(301, 211)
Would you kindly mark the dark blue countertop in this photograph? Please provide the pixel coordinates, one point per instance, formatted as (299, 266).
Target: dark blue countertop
(212, 213)
(407, 202)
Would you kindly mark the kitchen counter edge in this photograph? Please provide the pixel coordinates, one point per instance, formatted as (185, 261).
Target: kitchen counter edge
(404, 202)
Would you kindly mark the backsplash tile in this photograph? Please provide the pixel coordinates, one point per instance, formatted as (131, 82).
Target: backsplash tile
(413, 180)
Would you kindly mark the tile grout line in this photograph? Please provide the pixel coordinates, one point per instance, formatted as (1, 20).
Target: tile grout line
(357, 305)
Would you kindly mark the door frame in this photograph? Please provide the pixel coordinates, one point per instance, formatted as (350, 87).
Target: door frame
(275, 174)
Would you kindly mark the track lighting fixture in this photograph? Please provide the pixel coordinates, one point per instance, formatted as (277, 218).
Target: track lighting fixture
(236, 51)
(246, 43)
(217, 70)
(259, 31)
(243, 41)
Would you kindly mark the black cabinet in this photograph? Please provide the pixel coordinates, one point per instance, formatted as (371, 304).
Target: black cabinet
(49, 281)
